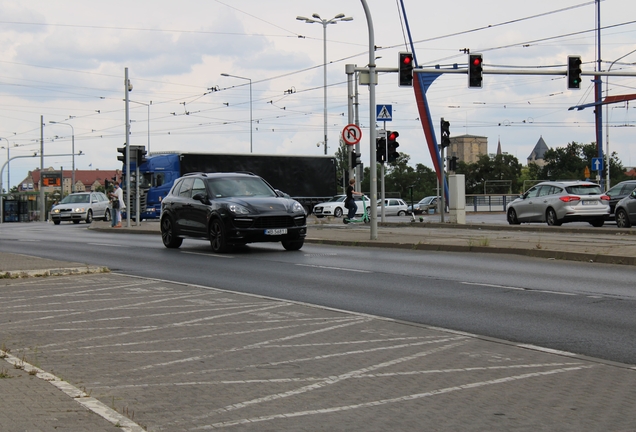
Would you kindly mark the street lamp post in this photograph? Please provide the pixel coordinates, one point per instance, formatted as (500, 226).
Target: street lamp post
(607, 150)
(316, 19)
(8, 168)
(73, 157)
(250, 80)
(147, 118)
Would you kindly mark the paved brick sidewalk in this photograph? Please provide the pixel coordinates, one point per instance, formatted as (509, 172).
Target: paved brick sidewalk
(127, 353)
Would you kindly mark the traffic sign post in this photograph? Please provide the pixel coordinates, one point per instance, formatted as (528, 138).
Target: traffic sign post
(351, 135)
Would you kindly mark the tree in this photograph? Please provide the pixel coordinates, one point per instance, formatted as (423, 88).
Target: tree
(498, 175)
(342, 165)
(399, 177)
(569, 162)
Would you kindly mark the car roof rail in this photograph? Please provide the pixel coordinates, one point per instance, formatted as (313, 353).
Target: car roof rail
(196, 173)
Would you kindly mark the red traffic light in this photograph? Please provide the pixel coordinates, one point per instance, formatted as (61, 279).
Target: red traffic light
(393, 136)
(477, 61)
(407, 60)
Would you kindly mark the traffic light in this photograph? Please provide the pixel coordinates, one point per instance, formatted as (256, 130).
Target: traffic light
(392, 146)
(122, 157)
(452, 163)
(380, 150)
(475, 71)
(141, 155)
(445, 127)
(355, 159)
(405, 69)
(574, 72)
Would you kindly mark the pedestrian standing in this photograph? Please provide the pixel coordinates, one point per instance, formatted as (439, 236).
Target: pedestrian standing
(117, 203)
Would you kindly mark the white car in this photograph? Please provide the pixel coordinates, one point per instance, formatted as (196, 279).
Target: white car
(82, 206)
(393, 207)
(335, 206)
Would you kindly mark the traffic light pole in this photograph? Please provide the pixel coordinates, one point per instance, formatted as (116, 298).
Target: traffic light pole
(126, 90)
(372, 134)
(442, 198)
(383, 190)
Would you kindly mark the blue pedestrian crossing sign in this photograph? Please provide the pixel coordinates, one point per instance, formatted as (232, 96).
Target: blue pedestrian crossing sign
(383, 112)
(597, 164)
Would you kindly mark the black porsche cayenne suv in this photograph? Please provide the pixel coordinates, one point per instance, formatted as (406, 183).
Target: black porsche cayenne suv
(230, 209)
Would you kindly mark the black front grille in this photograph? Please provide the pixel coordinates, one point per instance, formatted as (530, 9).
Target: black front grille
(270, 222)
(274, 222)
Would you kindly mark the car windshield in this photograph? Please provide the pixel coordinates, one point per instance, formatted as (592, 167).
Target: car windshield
(586, 189)
(240, 187)
(427, 200)
(76, 199)
(337, 198)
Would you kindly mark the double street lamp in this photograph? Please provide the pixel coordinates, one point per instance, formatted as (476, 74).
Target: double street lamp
(250, 80)
(72, 152)
(325, 22)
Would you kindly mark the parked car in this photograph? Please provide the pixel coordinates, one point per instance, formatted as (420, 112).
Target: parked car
(559, 202)
(618, 192)
(230, 209)
(626, 211)
(429, 202)
(81, 206)
(393, 207)
(335, 206)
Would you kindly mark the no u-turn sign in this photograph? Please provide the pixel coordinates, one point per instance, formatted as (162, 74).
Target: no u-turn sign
(351, 134)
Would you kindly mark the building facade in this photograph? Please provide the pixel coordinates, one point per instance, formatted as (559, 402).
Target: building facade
(467, 148)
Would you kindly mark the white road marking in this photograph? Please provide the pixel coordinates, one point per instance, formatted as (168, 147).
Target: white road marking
(334, 268)
(392, 400)
(519, 289)
(207, 254)
(92, 404)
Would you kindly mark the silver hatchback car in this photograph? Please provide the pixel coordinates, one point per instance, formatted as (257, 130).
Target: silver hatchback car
(82, 206)
(559, 202)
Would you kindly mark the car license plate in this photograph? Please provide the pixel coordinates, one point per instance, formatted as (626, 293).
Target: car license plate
(277, 231)
(594, 202)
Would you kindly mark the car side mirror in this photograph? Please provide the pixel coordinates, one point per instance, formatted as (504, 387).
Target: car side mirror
(201, 197)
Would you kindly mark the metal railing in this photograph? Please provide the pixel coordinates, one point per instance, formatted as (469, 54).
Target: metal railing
(489, 203)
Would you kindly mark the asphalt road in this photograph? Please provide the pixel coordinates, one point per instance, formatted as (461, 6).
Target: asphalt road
(578, 307)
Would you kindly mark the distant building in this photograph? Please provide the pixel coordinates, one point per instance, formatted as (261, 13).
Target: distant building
(85, 180)
(538, 153)
(468, 148)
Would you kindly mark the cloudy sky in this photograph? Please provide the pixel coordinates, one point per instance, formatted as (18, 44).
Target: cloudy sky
(65, 60)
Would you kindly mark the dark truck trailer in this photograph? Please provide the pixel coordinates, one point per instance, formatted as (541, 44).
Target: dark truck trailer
(307, 179)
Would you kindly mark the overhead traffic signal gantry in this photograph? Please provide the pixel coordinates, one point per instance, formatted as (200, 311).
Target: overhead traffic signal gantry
(574, 72)
(475, 70)
(392, 145)
(405, 69)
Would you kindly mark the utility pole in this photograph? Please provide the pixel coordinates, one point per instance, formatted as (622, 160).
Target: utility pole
(41, 183)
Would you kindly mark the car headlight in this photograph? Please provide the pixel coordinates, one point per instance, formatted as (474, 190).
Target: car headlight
(56, 211)
(238, 209)
(80, 210)
(298, 208)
